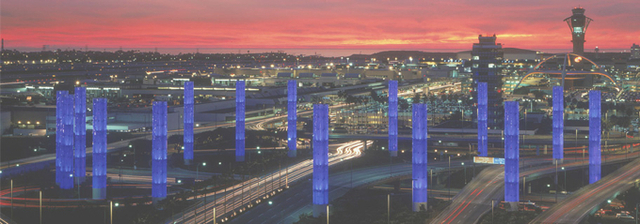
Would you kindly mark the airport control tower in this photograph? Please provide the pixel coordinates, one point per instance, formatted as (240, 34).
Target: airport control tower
(578, 24)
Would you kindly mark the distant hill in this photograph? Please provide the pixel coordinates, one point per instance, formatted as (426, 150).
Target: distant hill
(402, 55)
(510, 50)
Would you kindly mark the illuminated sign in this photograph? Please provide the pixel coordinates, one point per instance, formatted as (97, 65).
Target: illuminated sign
(488, 160)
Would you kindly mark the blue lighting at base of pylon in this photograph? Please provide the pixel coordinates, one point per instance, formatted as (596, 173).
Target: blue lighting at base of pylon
(419, 153)
(188, 121)
(240, 104)
(558, 122)
(159, 150)
(320, 154)
(99, 153)
(393, 117)
(292, 117)
(482, 119)
(595, 128)
(80, 130)
(511, 151)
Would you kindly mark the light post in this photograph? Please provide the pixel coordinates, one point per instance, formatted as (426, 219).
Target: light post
(11, 198)
(389, 208)
(465, 173)
(556, 180)
(111, 212)
(197, 169)
(565, 178)
(40, 207)
(449, 179)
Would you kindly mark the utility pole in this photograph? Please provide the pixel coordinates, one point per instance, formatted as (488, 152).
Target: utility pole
(449, 180)
(40, 207)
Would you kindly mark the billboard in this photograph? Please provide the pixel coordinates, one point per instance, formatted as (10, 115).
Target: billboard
(488, 160)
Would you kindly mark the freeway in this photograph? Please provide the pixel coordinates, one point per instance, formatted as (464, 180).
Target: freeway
(480, 191)
(586, 200)
(485, 187)
(287, 207)
(239, 198)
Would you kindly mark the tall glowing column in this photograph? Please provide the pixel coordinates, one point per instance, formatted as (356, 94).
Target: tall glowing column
(594, 136)
(511, 153)
(64, 145)
(558, 122)
(419, 157)
(393, 118)
(482, 119)
(60, 98)
(99, 148)
(240, 102)
(80, 154)
(159, 151)
(292, 117)
(320, 158)
(188, 123)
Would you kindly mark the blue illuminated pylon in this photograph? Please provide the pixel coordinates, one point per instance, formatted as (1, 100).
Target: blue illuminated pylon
(159, 151)
(482, 119)
(60, 98)
(320, 158)
(393, 118)
(594, 136)
(292, 117)
(99, 148)
(65, 138)
(80, 152)
(419, 156)
(188, 123)
(558, 122)
(240, 103)
(511, 152)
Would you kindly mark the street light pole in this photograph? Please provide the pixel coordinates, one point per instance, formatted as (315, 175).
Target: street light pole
(388, 208)
(40, 207)
(449, 180)
(556, 180)
(111, 212)
(327, 214)
(11, 198)
(465, 173)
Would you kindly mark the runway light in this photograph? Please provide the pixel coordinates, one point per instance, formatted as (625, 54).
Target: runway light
(130, 146)
(270, 202)
(563, 168)
(117, 204)
(548, 185)
(609, 201)
(219, 163)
